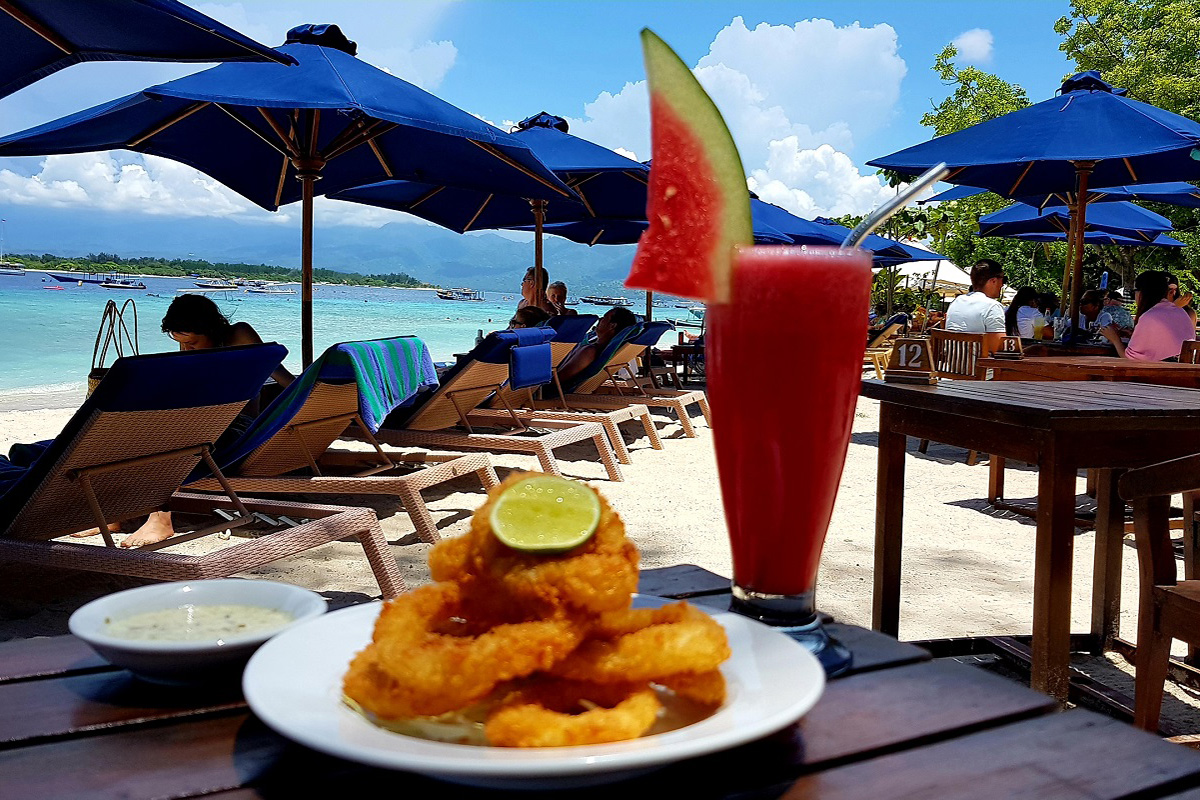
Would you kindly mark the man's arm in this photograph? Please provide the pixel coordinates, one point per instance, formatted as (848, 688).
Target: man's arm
(580, 359)
(994, 328)
(1111, 333)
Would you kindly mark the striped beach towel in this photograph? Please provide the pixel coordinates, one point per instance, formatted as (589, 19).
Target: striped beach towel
(388, 373)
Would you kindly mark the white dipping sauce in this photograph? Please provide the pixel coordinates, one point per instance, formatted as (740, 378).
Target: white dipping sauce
(197, 623)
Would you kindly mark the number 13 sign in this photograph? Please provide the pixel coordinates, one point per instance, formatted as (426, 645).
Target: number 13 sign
(911, 362)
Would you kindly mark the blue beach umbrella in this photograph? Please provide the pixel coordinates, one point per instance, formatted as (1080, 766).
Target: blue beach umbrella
(1174, 193)
(1102, 238)
(598, 230)
(1091, 135)
(43, 36)
(1120, 218)
(606, 184)
(270, 132)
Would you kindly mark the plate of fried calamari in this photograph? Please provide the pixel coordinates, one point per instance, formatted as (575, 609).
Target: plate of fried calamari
(524, 665)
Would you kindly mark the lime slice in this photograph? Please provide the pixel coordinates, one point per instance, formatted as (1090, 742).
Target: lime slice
(545, 514)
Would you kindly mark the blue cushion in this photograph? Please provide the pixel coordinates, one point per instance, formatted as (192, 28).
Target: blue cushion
(572, 329)
(529, 365)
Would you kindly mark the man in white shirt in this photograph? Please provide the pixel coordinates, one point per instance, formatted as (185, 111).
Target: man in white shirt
(980, 311)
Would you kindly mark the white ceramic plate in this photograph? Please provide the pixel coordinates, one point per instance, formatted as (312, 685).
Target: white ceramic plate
(293, 683)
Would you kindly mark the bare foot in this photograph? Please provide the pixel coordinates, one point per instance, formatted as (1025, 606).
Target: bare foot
(156, 528)
(113, 527)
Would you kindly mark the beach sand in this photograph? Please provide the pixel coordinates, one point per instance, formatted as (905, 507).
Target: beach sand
(968, 570)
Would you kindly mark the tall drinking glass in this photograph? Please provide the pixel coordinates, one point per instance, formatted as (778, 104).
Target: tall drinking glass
(785, 361)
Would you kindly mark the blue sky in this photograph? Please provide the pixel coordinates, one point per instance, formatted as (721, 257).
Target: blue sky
(812, 90)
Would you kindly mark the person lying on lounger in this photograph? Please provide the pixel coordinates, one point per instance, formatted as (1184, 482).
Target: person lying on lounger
(584, 356)
(196, 323)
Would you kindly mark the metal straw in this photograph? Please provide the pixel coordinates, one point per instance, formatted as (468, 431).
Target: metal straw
(881, 214)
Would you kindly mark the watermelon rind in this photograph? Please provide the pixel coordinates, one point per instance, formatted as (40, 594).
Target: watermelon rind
(672, 82)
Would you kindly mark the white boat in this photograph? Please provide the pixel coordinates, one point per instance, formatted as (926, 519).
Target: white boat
(215, 283)
(122, 283)
(269, 290)
(462, 295)
(601, 300)
(11, 268)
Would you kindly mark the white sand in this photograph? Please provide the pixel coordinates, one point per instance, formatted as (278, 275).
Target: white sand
(968, 570)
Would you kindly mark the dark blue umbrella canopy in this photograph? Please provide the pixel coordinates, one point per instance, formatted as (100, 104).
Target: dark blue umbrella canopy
(1035, 150)
(251, 125)
(43, 36)
(1119, 218)
(607, 185)
(599, 230)
(1100, 237)
(1175, 193)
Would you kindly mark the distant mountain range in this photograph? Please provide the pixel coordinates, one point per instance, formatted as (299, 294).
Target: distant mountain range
(481, 261)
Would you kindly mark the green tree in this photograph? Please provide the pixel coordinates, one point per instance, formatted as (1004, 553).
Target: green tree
(977, 97)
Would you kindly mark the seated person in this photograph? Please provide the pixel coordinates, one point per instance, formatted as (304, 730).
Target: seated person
(195, 322)
(533, 290)
(1162, 327)
(584, 356)
(1022, 311)
(556, 294)
(1091, 304)
(979, 311)
(528, 317)
(1115, 313)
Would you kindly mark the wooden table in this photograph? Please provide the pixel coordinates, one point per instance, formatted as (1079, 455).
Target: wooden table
(1094, 368)
(1061, 427)
(1039, 348)
(899, 725)
(689, 356)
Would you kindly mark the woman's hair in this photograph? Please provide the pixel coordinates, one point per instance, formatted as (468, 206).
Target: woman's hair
(1151, 286)
(528, 317)
(195, 313)
(1047, 302)
(1025, 296)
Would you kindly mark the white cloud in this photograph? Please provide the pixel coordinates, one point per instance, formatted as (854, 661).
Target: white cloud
(818, 182)
(794, 97)
(974, 46)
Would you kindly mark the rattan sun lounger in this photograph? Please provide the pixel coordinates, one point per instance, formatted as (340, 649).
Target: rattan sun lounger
(151, 421)
(569, 331)
(443, 418)
(602, 388)
(300, 441)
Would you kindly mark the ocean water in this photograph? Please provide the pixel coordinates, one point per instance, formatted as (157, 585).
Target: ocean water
(47, 336)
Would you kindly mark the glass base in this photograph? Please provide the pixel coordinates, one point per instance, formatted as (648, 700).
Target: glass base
(796, 617)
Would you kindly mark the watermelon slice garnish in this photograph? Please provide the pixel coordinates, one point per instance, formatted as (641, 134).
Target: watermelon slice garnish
(698, 205)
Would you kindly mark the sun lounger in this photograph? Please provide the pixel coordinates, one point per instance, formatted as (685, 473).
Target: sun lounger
(601, 387)
(569, 331)
(354, 383)
(442, 419)
(151, 421)
(879, 349)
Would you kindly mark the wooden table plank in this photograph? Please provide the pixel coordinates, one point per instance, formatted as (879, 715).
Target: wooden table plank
(1076, 754)
(1096, 368)
(58, 706)
(858, 718)
(47, 655)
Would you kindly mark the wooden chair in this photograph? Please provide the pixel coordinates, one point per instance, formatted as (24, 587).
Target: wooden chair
(956, 356)
(1167, 607)
(879, 349)
(1190, 354)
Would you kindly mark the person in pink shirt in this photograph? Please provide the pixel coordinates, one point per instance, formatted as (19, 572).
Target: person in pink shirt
(1162, 327)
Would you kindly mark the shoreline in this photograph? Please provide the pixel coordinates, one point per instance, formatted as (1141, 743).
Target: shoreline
(54, 397)
(243, 277)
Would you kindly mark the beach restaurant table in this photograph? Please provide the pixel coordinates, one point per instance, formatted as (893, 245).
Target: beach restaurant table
(1093, 368)
(1062, 427)
(899, 725)
(1040, 347)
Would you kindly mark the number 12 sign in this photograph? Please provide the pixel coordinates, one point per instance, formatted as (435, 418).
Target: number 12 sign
(911, 362)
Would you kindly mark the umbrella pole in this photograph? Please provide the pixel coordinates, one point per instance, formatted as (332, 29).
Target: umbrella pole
(539, 219)
(306, 269)
(649, 306)
(1083, 169)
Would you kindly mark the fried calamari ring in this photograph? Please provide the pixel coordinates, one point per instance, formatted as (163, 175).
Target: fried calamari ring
(599, 575)
(565, 713)
(694, 643)
(705, 688)
(411, 669)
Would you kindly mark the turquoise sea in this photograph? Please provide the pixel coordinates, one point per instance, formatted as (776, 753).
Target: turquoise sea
(48, 335)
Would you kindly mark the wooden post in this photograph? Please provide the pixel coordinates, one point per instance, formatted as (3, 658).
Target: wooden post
(649, 306)
(1083, 169)
(306, 268)
(539, 219)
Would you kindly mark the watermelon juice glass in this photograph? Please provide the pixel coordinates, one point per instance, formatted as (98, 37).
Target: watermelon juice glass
(784, 365)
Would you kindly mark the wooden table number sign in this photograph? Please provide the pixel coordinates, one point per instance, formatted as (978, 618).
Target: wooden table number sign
(911, 362)
(1010, 348)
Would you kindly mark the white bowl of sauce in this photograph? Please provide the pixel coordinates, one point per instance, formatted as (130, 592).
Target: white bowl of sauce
(190, 632)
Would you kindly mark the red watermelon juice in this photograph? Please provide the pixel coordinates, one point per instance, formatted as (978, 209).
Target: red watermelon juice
(785, 362)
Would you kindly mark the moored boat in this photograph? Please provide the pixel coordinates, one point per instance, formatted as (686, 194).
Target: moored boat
(123, 283)
(601, 300)
(215, 283)
(11, 268)
(462, 295)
